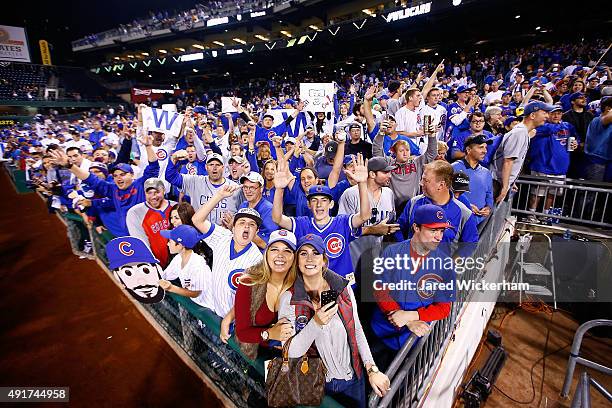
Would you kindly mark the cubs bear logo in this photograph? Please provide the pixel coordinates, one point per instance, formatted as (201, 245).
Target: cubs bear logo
(125, 248)
(425, 291)
(232, 278)
(334, 245)
(440, 215)
(161, 154)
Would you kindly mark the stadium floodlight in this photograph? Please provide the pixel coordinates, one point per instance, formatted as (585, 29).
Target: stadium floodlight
(150, 76)
(192, 57)
(195, 70)
(180, 49)
(130, 56)
(369, 12)
(201, 47)
(239, 41)
(219, 43)
(117, 58)
(262, 37)
(162, 51)
(314, 27)
(286, 33)
(146, 54)
(173, 73)
(142, 70)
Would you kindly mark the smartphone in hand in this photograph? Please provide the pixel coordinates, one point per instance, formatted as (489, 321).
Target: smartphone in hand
(328, 296)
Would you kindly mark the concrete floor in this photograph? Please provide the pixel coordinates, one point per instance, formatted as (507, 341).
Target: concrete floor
(523, 336)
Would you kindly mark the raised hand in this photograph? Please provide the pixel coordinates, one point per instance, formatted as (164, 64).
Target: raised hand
(58, 157)
(370, 92)
(145, 139)
(227, 190)
(360, 172)
(283, 176)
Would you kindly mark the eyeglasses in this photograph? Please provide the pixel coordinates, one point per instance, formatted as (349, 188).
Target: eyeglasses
(250, 188)
(478, 121)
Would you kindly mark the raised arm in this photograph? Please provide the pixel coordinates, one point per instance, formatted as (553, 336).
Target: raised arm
(430, 82)
(282, 178)
(360, 175)
(367, 105)
(334, 175)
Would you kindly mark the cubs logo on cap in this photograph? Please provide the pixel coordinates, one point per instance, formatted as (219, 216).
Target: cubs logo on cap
(124, 250)
(431, 216)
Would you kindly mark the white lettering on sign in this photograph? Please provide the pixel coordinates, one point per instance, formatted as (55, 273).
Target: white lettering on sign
(408, 12)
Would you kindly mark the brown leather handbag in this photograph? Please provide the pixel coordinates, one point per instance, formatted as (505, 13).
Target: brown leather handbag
(295, 381)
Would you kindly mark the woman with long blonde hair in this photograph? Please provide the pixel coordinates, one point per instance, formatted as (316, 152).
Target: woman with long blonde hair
(258, 297)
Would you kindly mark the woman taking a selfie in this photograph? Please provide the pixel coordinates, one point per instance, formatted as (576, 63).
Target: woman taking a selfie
(322, 309)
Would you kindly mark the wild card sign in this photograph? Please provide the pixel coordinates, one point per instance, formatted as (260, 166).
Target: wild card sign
(296, 126)
(317, 97)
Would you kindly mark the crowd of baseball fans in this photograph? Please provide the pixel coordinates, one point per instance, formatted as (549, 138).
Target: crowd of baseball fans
(255, 223)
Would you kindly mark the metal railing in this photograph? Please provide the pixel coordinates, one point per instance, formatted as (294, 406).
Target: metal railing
(575, 201)
(582, 394)
(412, 368)
(194, 328)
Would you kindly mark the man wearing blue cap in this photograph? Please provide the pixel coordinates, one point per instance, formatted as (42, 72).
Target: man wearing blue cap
(510, 155)
(335, 231)
(136, 268)
(125, 191)
(459, 110)
(410, 310)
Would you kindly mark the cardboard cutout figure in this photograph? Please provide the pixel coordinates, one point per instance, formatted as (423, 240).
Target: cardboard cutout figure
(136, 268)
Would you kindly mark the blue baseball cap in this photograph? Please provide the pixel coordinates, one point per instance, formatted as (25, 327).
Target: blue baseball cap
(431, 216)
(314, 240)
(464, 88)
(576, 95)
(285, 236)
(348, 159)
(124, 250)
(535, 106)
(200, 109)
(319, 190)
(289, 101)
(126, 168)
(186, 235)
(509, 120)
(507, 93)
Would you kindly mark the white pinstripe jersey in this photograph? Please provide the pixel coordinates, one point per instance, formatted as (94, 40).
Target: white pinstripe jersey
(228, 266)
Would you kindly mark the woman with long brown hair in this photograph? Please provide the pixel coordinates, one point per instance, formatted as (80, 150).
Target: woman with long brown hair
(258, 296)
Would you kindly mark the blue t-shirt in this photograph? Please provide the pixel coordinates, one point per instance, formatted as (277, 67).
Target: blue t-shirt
(197, 168)
(481, 186)
(337, 234)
